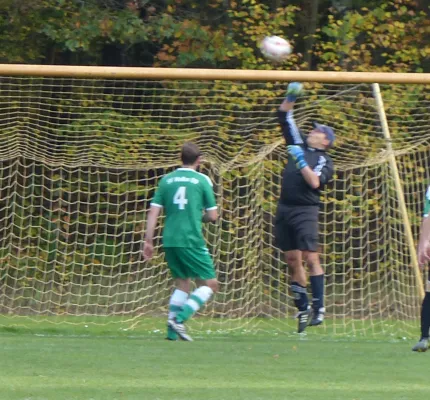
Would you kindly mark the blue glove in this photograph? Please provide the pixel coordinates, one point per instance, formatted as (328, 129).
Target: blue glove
(294, 90)
(298, 156)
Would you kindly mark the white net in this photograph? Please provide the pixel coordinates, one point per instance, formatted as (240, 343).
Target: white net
(80, 159)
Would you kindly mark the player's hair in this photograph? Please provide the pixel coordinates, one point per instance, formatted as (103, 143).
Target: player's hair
(190, 153)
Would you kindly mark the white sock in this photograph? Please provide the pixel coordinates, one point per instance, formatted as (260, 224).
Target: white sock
(196, 300)
(177, 300)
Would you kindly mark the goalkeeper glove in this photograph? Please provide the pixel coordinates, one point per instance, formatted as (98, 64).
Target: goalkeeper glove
(293, 91)
(298, 156)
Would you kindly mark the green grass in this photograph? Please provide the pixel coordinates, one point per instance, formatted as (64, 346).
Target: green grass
(43, 363)
(138, 326)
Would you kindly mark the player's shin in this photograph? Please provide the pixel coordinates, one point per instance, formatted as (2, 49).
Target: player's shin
(425, 317)
(423, 344)
(300, 296)
(177, 300)
(197, 300)
(317, 285)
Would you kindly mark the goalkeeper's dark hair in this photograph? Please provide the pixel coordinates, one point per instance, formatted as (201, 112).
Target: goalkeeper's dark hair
(190, 153)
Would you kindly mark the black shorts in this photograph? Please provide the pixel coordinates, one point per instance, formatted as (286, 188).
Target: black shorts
(296, 228)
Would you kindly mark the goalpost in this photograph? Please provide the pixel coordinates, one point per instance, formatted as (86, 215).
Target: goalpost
(84, 147)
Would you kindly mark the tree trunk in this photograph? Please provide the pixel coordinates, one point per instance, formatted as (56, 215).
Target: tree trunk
(310, 32)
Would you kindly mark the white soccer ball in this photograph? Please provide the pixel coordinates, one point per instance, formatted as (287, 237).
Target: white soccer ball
(275, 48)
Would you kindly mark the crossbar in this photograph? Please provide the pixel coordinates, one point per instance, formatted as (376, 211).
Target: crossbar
(209, 74)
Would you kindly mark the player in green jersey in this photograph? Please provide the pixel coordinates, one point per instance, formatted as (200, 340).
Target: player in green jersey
(423, 259)
(188, 199)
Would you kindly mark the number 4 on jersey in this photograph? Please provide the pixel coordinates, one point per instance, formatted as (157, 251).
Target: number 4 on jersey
(179, 197)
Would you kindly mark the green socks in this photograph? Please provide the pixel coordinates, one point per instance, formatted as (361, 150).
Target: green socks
(196, 301)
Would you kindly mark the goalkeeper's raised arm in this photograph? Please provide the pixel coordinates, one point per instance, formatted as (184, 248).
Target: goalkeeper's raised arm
(291, 132)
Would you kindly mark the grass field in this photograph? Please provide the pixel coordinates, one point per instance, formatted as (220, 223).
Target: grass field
(41, 363)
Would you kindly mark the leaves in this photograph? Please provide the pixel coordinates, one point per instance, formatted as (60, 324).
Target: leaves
(390, 37)
(385, 38)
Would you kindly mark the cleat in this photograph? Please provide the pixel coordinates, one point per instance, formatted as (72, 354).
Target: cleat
(303, 317)
(180, 329)
(317, 317)
(421, 346)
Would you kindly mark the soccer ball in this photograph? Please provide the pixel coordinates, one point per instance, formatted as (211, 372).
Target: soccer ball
(275, 48)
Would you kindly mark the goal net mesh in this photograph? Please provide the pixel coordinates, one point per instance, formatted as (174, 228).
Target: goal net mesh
(80, 159)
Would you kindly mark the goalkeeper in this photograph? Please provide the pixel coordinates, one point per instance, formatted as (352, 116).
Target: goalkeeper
(309, 169)
(188, 200)
(423, 259)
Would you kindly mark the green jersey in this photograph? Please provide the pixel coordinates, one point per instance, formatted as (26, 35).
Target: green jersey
(427, 203)
(184, 194)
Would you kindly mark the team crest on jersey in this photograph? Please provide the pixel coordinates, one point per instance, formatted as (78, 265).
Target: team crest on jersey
(320, 165)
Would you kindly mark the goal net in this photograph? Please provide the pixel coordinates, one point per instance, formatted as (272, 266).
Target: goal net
(80, 159)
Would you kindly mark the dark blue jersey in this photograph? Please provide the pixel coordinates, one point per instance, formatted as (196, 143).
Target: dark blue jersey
(295, 190)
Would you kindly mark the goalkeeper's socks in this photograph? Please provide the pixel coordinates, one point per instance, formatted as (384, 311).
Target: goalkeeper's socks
(196, 301)
(317, 285)
(425, 317)
(177, 300)
(300, 296)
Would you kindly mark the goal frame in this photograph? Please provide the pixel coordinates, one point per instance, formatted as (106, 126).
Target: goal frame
(139, 73)
(212, 74)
